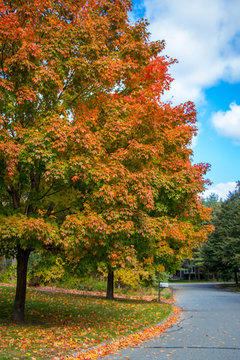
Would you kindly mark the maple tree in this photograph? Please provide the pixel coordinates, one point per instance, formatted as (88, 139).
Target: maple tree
(142, 191)
(53, 55)
(91, 160)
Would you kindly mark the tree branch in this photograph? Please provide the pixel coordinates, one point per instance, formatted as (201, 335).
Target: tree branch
(46, 193)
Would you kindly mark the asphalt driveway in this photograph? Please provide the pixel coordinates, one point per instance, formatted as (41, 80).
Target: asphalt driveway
(209, 328)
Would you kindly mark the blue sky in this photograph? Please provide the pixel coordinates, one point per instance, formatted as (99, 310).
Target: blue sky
(204, 36)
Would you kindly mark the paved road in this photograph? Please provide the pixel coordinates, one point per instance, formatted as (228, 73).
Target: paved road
(209, 328)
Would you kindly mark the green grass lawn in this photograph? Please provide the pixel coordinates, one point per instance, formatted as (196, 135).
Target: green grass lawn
(232, 287)
(62, 323)
(194, 281)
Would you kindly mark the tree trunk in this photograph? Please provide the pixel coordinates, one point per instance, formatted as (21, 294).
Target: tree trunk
(236, 277)
(110, 285)
(19, 304)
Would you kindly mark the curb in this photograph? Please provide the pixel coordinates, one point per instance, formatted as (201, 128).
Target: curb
(128, 341)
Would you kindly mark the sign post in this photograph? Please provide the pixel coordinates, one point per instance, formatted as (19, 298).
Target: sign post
(161, 287)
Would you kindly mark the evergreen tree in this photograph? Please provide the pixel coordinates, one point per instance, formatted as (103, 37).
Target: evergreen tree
(221, 253)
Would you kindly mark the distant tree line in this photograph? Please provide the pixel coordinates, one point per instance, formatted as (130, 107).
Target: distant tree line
(220, 255)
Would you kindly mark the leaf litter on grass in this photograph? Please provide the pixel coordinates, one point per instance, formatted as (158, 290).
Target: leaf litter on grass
(59, 323)
(127, 341)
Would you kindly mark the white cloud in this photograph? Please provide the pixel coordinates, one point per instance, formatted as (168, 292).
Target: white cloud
(221, 190)
(195, 137)
(194, 141)
(228, 123)
(204, 36)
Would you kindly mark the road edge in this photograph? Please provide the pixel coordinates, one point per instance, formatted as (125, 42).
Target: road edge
(106, 349)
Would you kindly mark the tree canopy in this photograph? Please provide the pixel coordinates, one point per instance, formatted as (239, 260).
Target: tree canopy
(92, 160)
